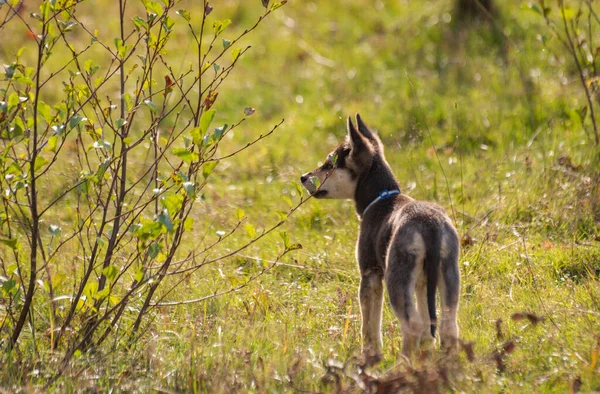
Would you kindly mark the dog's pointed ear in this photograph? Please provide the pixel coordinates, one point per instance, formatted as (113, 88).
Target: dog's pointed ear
(369, 135)
(357, 141)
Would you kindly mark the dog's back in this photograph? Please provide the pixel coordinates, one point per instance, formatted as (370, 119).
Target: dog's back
(422, 255)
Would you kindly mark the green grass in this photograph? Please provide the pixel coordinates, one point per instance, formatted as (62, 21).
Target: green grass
(472, 120)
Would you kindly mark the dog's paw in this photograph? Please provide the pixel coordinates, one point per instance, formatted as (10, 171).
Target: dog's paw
(370, 357)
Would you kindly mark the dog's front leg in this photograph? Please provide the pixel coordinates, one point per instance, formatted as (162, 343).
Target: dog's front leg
(371, 304)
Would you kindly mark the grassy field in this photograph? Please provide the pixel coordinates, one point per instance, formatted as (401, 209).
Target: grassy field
(484, 120)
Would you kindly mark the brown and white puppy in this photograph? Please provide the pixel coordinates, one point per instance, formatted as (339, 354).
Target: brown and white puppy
(410, 244)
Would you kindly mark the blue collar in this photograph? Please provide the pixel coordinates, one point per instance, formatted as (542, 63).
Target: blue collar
(383, 195)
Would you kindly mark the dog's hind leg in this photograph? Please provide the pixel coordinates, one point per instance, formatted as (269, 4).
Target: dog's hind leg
(449, 289)
(371, 305)
(404, 269)
(423, 308)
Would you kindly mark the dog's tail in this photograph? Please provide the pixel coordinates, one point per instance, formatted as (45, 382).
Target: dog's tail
(432, 263)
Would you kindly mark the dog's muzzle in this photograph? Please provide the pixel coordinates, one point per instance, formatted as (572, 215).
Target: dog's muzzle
(306, 181)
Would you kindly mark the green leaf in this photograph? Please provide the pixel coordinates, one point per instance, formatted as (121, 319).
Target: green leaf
(51, 145)
(58, 129)
(239, 214)
(9, 70)
(149, 230)
(294, 247)
(179, 176)
(13, 101)
(139, 23)
(188, 224)
(67, 26)
(207, 168)
(128, 101)
(89, 67)
(39, 163)
(120, 123)
(277, 4)
(11, 268)
(110, 272)
(184, 154)
(90, 289)
(9, 286)
(151, 105)
(315, 181)
(250, 230)
(219, 26)
(102, 169)
(189, 188)
(14, 132)
(153, 250)
(120, 47)
(333, 158)
(10, 242)
(172, 203)
(298, 188)
(153, 9)
(29, 71)
(54, 230)
(102, 145)
(102, 294)
(84, 187)
(287, 200)
(226, 43)
(27, 81)
(75, 120)
(46, 8)
(568, 13)
(286, 239)
(139, 274)
(165, 220)
(219, 131)
(184, 14)
(196, 135)
(282, 215)
(45, 110)
(205, 120)
(113, 300)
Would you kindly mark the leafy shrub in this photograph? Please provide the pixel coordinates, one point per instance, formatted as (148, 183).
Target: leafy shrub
(76, 189)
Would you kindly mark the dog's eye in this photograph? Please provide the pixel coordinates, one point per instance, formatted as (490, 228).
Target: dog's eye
(328, 166)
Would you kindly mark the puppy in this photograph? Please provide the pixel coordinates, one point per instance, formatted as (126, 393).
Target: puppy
(411, 245)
